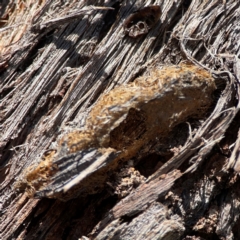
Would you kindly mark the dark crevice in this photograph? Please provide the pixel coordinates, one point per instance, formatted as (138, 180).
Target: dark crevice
(128, 219)
(109, 20)
(43, 207)
(28, 60)
(175, 20)
(4, 16)
(87, 213)
(5, 91)
(163, 150)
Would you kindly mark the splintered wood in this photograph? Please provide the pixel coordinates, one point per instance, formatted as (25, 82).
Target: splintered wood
(121, 123)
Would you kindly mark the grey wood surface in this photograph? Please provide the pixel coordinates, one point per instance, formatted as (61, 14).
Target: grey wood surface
(64, 57)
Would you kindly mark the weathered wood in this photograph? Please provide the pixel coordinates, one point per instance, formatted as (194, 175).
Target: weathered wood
(55, 67)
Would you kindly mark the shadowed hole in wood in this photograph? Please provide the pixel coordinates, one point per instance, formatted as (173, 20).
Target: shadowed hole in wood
(132, 129)
(171, 25)
(109, 20)
(36, 51)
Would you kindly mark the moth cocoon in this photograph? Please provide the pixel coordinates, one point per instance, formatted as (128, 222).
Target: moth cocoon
(120, 124)
(156, 103)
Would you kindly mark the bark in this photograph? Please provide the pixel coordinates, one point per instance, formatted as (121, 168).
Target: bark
(58, 58)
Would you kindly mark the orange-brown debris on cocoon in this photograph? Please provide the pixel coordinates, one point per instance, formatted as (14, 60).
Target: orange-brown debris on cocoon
(78, 140)
(37, 176)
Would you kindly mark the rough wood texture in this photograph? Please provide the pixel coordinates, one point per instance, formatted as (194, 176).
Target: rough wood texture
(58, 58)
